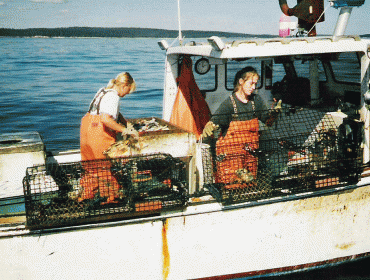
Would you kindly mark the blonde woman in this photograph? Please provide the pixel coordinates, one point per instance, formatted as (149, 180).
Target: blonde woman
(103, 121)
(238, 119)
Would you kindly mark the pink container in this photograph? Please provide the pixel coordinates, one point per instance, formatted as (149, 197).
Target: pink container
(284, 30)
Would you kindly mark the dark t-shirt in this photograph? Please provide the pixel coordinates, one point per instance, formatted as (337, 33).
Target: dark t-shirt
(245, 111)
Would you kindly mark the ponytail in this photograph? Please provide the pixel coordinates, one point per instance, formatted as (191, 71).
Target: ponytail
(111, 83)
(122, 78)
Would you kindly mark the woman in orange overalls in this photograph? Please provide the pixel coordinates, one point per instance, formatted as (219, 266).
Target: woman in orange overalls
(99, 128)
(103, 121)
(237, 117)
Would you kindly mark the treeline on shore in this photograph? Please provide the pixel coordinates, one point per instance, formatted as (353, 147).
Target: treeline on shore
(114, 32)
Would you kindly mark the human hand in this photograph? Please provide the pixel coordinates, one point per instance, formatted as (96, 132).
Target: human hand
(274, 113)
(277, 109)
(209, 129)
(130, 131)
(278, 105)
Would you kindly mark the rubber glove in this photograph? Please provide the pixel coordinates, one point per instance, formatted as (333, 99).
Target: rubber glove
(130, 131)
(209, 128)
(277, 109)
(278, 105)
(274, 113)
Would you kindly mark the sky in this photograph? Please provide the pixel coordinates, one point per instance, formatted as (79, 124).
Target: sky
(248, 16)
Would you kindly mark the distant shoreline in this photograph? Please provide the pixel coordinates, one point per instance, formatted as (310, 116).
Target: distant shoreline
(120, 32)
(100, 32)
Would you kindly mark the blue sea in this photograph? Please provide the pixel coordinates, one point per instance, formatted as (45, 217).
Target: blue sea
(47, 85)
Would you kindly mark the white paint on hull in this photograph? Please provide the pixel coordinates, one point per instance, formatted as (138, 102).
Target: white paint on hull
(217, 242)
(126, 252)
(271, 236)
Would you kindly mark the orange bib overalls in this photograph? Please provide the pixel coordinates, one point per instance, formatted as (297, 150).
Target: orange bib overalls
(95, 138)
(231, 153)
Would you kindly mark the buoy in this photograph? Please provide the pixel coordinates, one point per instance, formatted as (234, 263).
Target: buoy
(284, 29)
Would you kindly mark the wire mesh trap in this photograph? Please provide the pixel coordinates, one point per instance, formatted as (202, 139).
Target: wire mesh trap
(89, 191)
(303, 150)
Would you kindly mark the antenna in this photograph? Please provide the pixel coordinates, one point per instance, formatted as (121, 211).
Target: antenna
(178, 15)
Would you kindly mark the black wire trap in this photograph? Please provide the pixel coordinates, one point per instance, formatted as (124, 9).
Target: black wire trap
(91, 191)
(303, 150)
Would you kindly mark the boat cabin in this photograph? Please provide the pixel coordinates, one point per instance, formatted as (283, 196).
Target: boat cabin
(311, 63)
(315, 77)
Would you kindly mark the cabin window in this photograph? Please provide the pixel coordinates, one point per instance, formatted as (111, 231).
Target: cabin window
(302, 67)
(292, 78)
(296, 67)
(347, 68)
(278, 73)
(234, 66)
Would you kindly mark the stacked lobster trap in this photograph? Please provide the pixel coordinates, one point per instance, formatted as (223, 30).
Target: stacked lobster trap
(90, 191)
(303, 150)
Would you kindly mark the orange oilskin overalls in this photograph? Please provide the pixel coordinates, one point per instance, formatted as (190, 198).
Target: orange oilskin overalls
(231, 152)
(95, 138)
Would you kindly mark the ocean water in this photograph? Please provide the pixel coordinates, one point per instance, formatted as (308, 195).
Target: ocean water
(47, 85)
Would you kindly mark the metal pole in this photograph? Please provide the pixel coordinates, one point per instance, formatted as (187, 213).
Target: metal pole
(342, 22)
(178, 12)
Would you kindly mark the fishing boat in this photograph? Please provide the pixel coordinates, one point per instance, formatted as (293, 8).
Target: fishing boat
(185, 208)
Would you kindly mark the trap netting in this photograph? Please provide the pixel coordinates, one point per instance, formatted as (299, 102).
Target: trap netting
(299, 150)
(90, 191)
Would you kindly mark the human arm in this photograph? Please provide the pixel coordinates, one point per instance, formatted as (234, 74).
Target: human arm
(112, 118)
(274, 112)
(121, 119)
(109, 122)
(220, 119)
(266, 114)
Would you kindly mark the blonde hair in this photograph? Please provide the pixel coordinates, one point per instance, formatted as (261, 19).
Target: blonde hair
(246, 73)
(122, 78)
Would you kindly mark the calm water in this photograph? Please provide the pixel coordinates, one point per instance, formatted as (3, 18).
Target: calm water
(47, 85)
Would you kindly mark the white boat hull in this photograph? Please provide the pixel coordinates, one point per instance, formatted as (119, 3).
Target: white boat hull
(207, 240)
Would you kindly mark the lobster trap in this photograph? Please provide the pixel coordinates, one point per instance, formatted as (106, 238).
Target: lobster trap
(91, 191)
(303, 150)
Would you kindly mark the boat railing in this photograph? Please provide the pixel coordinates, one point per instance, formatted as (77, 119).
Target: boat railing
(288, 40)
